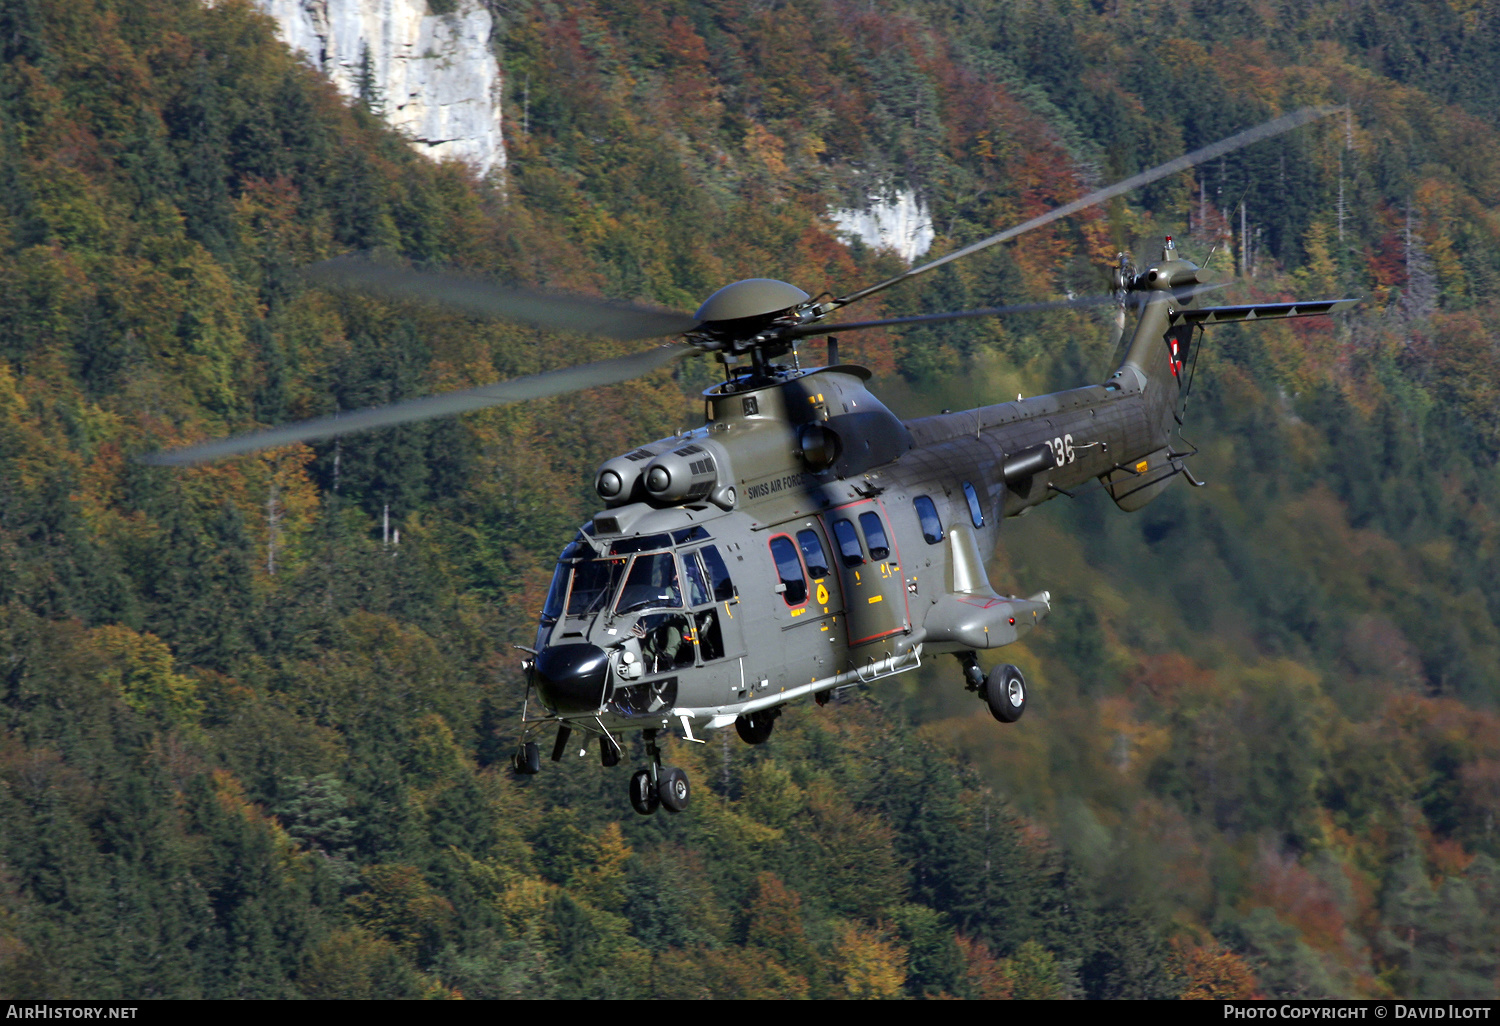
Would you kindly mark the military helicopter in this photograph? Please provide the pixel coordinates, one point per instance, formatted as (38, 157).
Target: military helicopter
(805, 539)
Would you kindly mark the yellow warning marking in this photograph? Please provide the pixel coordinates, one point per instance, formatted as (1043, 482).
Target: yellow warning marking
(727, 612)
(856, 577)
(822, 595)
(1140, 468)
(798, 612)
(876, 598)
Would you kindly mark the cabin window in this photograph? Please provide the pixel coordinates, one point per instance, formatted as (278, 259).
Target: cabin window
(932, 524)
(880, 548)
(848, 541)
(789, 569)
(718, 573)
(651, 584)
(975, 513)
(812, 553)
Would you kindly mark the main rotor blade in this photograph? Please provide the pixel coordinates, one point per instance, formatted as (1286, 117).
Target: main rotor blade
(583, 315)
(1105, 299)
(535, 386)
(1285, 123)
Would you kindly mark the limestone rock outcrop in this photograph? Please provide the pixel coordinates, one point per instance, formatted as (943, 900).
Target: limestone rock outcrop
(432, 75)
(898, 221)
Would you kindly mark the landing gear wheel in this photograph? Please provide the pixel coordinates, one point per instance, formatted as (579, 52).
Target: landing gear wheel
(527, 760)
(755, 728)
(643, 796)
(1005, 693)
(673, 789)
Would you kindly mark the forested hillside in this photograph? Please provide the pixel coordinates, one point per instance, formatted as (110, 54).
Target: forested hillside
(253, 743)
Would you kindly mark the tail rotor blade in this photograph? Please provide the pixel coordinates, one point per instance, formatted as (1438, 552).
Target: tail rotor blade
(1117, 332)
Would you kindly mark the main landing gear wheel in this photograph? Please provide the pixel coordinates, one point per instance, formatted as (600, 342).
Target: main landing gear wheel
(643, 796)
(527, 760)
(1005, 693)
(755, 728)
(673, 790)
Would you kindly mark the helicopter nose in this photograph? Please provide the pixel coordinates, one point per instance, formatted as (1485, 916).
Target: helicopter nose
(572, 678)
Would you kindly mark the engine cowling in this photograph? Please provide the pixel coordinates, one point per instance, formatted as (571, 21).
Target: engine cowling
(618, 481)
(688, 473)
(668, 474)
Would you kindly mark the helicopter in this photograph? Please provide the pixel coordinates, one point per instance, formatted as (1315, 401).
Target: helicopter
(804, 539)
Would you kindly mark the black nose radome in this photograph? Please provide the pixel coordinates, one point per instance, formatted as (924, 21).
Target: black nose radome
(572, 678)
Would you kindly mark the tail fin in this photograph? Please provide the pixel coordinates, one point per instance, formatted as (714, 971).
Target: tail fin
(1160, 361)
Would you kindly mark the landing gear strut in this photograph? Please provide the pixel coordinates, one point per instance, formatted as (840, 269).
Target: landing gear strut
(973, 675)
(657, 784)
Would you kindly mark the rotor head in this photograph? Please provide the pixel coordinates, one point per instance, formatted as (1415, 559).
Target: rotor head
(750, 298)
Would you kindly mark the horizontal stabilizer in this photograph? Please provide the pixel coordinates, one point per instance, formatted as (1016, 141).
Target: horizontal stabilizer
(1262, 311)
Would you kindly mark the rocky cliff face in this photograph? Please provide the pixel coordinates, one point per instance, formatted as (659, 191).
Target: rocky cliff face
(899, 221)
(433, 76)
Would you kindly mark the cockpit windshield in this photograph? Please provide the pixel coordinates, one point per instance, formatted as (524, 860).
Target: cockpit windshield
(594, 582)
(586, 583)
(652, 584)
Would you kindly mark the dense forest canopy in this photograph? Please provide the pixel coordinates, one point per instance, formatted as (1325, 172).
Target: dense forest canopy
(252, 746)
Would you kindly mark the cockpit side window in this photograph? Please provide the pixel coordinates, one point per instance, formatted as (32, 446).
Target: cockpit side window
(666, 641)
(932, 524)
(812, 553)
(651, 584)
(697, 583)
(848, 541)
(557, 593)
(718, 573)
(789, 569)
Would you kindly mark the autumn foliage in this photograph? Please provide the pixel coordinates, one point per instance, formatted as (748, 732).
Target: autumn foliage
(253, 741)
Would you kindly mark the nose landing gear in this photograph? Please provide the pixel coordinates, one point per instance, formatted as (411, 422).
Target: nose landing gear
(655, 785)
(528, 759)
